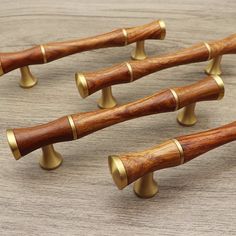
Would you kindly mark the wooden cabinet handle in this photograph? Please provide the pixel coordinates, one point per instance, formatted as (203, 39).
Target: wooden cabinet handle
(89, 83)
(53, 51)
(24, 140)
(129, 167)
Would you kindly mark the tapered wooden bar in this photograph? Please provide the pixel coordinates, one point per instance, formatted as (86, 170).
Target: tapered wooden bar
(129, 167)
(24, 140)
(52, 51)
(130, 71)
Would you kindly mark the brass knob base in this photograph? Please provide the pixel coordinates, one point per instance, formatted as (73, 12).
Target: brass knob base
(27, 79)
(214, 67)
(107, 100)
(139, 52)
(146, 187)
(187, 116)
(50, 159)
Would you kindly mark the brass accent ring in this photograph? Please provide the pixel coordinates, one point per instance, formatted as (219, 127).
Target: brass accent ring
(118, 171)
(176, 98)
(72, 125)
(125, 35)
(1, 69)
(130, 71)
(181, 151)
(13, 144)
(43, 53)
(81, 85)
(209, 50)
(163, 29)
(220, 83)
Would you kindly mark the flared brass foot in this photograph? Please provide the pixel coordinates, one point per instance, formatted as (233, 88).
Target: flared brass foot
(146, 187)
(187, 116)
(139, 52)
(214, 67)
(27, 79)
(50, 159)
(107, 100)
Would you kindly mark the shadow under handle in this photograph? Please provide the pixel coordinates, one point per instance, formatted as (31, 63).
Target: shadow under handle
(129, 167)
(52, 51)
(25, 140)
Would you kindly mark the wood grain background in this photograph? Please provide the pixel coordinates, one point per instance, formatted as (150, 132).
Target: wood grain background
(80, 198)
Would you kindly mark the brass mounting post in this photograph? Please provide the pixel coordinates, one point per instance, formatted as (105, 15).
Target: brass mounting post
(50, 159)
(27, 79)
(146, 187)
(139, 52)
(214, 67)
(187, 116)
(107, 100)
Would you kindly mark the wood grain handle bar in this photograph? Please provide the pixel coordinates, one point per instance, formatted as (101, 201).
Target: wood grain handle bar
(24, 140)
(89, 83)
(129, 167)
(53, 51)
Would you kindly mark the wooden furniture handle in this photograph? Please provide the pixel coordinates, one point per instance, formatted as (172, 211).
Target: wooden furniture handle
(24, 140)
(53, 51)
(91, 82)
(129, 167)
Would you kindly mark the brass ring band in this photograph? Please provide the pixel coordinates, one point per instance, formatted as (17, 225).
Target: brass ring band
(176, 98)
(72, 125)
(181, 151)
(220, 83)
(43, 53)
(1, 69)
(209, 50)
(126, 36)
(130, 71)
(13, 144)
(163, 29)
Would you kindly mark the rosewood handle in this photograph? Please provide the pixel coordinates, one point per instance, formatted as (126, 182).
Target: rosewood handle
(91, 82)
(129, 167)
(53, 51)
(24, 140)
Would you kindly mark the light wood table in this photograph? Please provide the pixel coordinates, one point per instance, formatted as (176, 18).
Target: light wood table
(79, 198)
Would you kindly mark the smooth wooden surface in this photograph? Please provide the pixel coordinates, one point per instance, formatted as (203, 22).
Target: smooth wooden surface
(29, 139)
(118, 74)
(80, 198)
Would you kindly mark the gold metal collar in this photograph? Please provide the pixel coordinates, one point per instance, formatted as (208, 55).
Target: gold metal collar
(130, 71)
(72, 125)
(13, 144)
(209, 50)
(176, 98)
(181, 151)
(43, 53)
(163, 29)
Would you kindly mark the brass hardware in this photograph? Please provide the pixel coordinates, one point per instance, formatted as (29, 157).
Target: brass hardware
(27, 79)
(50, 159)
(181, 151)
(125, 35)
(146, 187)
(209, 50)
(118, 171)
(176, 98)
(139, 52)
(13, 144)
(130, 71)
(73, 128)
(220, 83)
(187, 116)
(163, 29)
(214, 67)
(107, 100)
(81, 85)
(1, 69)
(43, 53)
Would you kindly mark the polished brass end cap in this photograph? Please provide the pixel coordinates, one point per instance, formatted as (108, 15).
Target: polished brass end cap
(118, 171)
(1, 69)
(220, 83)
(13, 144)
(81, 85)
(163, 29)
